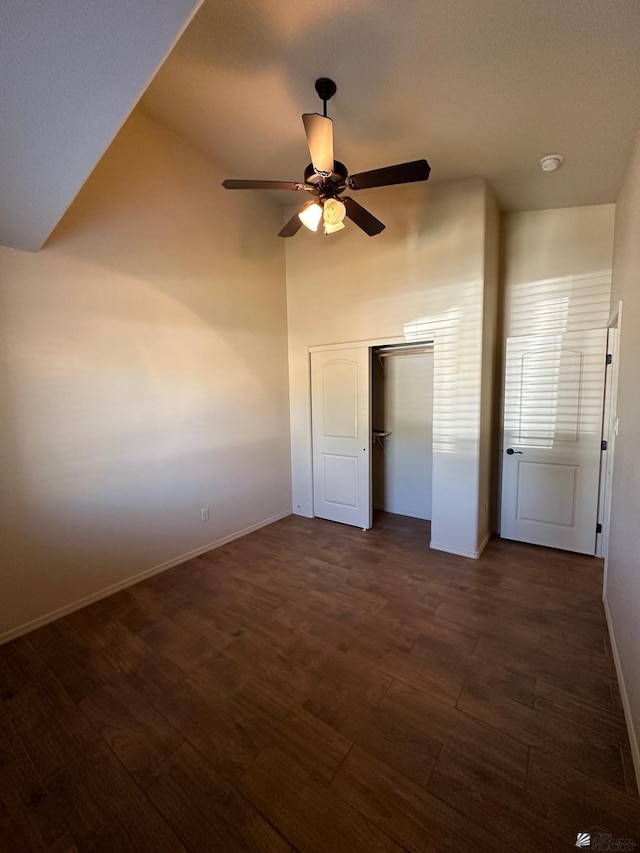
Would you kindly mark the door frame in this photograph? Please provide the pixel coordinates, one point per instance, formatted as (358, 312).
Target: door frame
(371, 343)
(609, 433)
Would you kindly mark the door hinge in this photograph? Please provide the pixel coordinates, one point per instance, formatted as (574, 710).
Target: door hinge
(609, 358)
(598, 528)
(603, 445)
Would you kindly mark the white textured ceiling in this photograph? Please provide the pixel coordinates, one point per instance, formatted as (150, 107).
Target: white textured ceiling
(478, 87)
(71, 71)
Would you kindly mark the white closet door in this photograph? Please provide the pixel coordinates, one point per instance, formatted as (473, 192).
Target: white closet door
(341, 423)
(554, 386)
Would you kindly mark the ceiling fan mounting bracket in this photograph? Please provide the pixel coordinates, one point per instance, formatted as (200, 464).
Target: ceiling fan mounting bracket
(326, 89)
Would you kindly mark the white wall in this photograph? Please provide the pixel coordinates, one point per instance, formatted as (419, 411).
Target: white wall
(622, 594)
(143, 376)
(406, 467)
(421, 278)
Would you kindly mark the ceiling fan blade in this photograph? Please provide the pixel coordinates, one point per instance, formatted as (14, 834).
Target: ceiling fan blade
(362, 217)
(231, 184)
(403, 173)
(293, 225)
(319, 130)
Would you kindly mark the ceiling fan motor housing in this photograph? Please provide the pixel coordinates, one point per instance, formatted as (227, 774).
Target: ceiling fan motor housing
(334, 183)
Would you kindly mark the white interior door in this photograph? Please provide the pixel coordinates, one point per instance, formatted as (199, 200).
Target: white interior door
(341, 424)
(554, 386)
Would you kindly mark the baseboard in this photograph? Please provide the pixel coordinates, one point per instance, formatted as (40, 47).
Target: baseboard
(472, 555)
(147, 573)
(484, 543)
(633, 738)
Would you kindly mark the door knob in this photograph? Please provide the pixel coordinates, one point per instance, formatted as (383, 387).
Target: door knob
(511, 451)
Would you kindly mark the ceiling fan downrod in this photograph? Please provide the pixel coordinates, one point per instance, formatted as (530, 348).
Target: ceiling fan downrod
(326, 89)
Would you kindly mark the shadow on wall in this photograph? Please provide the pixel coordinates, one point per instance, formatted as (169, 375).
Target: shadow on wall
(144, 377)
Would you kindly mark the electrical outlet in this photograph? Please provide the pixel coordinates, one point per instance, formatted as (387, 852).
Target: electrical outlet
(204, 514)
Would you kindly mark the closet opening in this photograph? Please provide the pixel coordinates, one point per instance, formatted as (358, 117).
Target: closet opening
(402, 433)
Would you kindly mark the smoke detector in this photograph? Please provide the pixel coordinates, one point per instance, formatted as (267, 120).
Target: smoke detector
(550, 162)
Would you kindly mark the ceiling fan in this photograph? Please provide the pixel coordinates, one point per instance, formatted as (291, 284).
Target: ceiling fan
(326, 179)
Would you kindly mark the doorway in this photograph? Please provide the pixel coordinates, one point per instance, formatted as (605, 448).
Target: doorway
(352, 461)
(554, 386)
(402, 419)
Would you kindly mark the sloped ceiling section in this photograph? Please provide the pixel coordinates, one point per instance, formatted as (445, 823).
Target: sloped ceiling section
(71, 73)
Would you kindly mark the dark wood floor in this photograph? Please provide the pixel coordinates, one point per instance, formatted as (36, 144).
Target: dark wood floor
(313, 687)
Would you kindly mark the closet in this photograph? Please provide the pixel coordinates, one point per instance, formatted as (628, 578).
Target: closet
(402, 426)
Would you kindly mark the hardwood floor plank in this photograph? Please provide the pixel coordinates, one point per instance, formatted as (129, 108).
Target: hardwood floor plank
(79, 668)
(607, 725)
(466, 665)
(578, 800)
(270, 666)
(308, 813)
(19, 834)
(490, 625)
(52, 729)
(317, 747)
(462, 733)
(579, 655)
(552, 668)
(387, 734)
(20, 668)
(502, 809)
(313, 687)
(629, 772)
(204, 811)
(408, 813)
(147, 670)
(221, 675)
(206, 723)
(577, 745)
(143, 605)
(23, 794)
(411, 670)
(322, 629)
(341, 677)
(106, 811)
(138, 735)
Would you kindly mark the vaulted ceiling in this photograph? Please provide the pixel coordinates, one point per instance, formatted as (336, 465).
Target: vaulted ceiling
(479, 87)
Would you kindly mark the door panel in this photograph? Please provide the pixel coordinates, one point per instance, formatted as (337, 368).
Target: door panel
(341, 424)
(554, 387)
(547, 493)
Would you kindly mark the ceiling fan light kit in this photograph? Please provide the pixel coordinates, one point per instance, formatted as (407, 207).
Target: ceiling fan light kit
(310, 215)
(326, 179)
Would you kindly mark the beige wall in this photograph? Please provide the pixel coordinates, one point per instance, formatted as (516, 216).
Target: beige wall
(557, 269)
(143, 376)
(488, 444)
(623, 564)
(422, 278)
